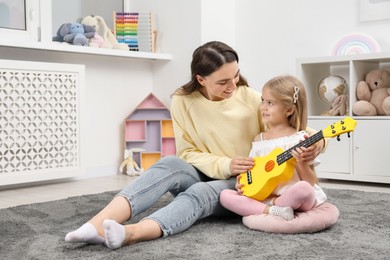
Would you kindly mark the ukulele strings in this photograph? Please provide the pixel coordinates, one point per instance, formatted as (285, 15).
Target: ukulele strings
(286, 155)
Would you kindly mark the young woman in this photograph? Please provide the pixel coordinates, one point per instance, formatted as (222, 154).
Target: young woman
(284, 112)
(215, 118)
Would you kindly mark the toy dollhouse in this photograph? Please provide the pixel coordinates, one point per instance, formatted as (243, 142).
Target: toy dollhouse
(149, 127)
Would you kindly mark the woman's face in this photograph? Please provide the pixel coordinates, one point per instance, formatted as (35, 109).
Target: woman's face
(220, 84)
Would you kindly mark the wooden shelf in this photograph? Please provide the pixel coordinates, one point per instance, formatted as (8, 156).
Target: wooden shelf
(148, 159)
(135, 130)
(64, 47)
(167, 128)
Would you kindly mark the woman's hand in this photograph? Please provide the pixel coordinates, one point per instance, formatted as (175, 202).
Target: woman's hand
(241, 164)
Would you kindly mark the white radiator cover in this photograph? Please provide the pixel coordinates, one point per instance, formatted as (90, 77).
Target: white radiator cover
(41, 121)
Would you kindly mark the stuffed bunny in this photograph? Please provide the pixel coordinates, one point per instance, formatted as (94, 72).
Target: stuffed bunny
(98, 23)
(129, 164)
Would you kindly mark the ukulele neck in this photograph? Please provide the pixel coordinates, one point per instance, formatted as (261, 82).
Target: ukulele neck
(286, 155)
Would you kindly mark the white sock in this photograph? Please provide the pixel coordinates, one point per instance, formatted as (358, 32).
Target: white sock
(114, 234)
(285, 212)
(87, 233)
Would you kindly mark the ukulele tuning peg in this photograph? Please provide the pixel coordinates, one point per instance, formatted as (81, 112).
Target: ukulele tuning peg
(349, 135)
(338, 138)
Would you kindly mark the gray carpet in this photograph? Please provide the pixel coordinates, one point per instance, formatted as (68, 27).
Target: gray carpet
(37, 231)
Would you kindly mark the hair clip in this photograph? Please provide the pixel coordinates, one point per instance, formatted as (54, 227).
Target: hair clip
(296, 91)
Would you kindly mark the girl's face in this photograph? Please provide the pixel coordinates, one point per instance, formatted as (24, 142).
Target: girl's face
(220, 84)
(274, 112)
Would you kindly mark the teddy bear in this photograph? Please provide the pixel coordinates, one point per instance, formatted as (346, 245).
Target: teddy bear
(373, 94)
(104, 31)
(131, 166)
(75, 33)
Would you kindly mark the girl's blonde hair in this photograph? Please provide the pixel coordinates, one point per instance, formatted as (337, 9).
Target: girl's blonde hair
(291, 92)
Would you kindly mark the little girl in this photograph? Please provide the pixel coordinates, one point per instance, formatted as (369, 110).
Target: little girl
(284, 112)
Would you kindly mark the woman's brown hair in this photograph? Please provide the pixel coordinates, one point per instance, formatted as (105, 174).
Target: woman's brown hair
(206, 59)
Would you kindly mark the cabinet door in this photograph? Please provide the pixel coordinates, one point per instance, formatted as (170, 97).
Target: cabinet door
(336, 157)
(372, 142)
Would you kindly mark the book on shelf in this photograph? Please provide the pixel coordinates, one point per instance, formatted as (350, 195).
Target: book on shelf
(136, 30)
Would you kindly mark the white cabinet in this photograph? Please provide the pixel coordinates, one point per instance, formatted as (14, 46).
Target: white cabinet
(337, 156)
(363, 156)
(370, 148)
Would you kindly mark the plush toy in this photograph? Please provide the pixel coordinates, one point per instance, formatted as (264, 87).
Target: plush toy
(96, 41)
(75, 33)
(339, 107)
(373, 94)
(131, 166)
(103, 30)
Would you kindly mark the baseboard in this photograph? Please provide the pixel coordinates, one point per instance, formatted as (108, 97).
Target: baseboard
(99, 171)
(89, 173)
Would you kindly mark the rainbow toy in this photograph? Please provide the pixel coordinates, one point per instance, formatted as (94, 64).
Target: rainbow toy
(356, 43)
(134, 29)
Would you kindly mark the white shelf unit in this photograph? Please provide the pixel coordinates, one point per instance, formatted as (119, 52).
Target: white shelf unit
(363, 156)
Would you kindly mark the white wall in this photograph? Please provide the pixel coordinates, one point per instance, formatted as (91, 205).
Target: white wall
(271, 35)
(218, 20)
(179, 33)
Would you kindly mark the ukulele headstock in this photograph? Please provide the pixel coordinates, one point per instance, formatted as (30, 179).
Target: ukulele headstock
(346, 125)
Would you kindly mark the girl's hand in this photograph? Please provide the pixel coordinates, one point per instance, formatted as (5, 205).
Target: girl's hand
(304, 170)
(238, 184)
(302, 155)
(308, 154)
(241, 164)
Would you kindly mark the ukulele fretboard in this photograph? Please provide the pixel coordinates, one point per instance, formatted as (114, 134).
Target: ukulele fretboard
(286, 155)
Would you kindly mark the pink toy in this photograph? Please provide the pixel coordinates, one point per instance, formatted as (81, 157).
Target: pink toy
(96, 41)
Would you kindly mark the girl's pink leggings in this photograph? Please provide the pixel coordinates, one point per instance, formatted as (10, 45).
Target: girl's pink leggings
(300, 197)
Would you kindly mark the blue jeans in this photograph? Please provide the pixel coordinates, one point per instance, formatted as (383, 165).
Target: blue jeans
(196, 195)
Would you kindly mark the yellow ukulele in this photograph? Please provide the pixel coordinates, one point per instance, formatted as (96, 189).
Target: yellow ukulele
(276, 167)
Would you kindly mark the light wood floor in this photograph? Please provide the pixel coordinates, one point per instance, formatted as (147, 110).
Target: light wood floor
(55, 191)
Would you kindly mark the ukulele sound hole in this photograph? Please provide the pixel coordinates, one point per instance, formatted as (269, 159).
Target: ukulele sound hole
(269, 166)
